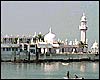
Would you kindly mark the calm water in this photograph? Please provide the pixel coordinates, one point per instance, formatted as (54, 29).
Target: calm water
(53, 70)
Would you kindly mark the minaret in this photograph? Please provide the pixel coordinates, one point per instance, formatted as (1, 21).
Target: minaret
(83, 28)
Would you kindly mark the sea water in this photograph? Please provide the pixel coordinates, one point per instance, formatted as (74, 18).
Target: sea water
(48, 70)
(52, 70)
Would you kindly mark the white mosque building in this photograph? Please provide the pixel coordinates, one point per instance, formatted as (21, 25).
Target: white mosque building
(50, 44)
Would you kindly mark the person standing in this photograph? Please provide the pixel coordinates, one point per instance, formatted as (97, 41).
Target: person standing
(68, 74)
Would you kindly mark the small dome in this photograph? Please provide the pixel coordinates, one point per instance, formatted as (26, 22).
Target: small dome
(95, 45)
(50, 37)
(6, 36)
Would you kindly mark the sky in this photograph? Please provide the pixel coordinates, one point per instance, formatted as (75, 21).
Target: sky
(28, 17)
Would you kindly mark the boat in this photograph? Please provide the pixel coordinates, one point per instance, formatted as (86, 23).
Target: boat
(65, 63)
(72, 78)
(76, 77)
(65, 78)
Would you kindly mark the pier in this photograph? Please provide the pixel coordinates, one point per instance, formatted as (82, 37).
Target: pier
(50, 60)
(56, 58)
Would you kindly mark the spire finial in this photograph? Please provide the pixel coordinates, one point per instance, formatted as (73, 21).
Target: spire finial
(83, 14)
(95, 41)
(50, 29)
(34, 34)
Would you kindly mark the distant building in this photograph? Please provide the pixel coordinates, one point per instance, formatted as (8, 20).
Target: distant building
(95, 47)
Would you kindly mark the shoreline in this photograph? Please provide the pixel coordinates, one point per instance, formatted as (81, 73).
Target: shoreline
(51, 60)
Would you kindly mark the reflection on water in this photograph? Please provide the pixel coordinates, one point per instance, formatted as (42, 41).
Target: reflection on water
(95, 65)
(53, 70)
(83, 67)
(48, 67)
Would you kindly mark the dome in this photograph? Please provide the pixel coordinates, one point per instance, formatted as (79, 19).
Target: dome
(6, 36)
(95, 45)
(50, 37)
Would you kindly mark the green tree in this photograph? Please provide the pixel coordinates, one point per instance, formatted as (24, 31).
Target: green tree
(82, 45)
(40, 37)
(35, 38)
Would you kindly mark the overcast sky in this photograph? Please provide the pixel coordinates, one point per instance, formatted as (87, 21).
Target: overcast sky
(27, 17)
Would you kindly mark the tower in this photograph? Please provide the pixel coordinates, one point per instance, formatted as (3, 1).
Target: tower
(83, 28)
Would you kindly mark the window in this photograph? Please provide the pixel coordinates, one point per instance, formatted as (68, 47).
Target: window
(12, 49)
(32, 50)
(7, 49)
(32, 45)
(16, 49)
(20, 50)
(3, 49)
